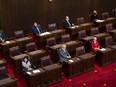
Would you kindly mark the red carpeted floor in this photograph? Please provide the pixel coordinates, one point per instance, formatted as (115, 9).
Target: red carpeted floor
(99, 77)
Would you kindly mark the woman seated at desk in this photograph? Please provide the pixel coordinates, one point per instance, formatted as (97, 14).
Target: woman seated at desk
(95, 45)
(26, 64)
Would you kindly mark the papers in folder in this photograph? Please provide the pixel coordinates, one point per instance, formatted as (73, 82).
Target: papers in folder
(71, 61)
(99, 20)
(7, 41)
(36, 71)
(102, 49)
(74, 26)
(45, 33)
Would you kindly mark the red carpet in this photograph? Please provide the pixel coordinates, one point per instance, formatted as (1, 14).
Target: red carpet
(99, 77)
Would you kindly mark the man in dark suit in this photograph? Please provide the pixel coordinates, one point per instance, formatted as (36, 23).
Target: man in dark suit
(94, 16)
(36, 28)
(63, 53)
(2, 36)
(67, 23)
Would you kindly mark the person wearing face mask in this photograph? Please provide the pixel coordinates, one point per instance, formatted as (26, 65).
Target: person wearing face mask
(63, 53)
(67, 23)
(95, 45)
(26, 64)
(37, 28)
(94, 16)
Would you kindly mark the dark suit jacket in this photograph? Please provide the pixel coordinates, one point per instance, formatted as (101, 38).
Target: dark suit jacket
(2, 36)
(63, 54)
(93, 17)
(65, 24)
(35, 30)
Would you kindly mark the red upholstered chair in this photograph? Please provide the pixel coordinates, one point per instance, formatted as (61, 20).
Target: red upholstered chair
(105, 15)
(3, 72)
(94, 31)
(52, 27)
(82, 34)
(80, 20)
(109, 27)
(66, 38)
(51, 41)
(19, 34)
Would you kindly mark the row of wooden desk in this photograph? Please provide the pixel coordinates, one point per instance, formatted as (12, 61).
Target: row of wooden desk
(21, 42)
(5, 80)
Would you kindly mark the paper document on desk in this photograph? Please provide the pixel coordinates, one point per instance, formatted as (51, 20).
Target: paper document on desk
(99, 20)
(102, 49)
(29, 73)
(7, 41)
(36, 71)
(45, 33)
(71, 61)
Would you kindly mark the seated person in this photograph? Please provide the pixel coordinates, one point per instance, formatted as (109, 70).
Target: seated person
(67, 23)
(26, 64)
(94, 16)
(2, 36)
(63, 53)
(36, 29)
(95, 45)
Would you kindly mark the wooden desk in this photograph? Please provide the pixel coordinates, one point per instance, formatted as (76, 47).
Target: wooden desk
(73, 31)
(101, 38)
(113, 34)
(88, 61)
(87, 27)
(8, 82)
(57, 34)
(5, 48)
(35, 56)
(111, 20)
(54, 53)
(2, 63)
(104, 57)
(53, 73)
(73, 68)
(21, 42)
(17, 63)
(87, 43)
(114, 53)
(36, 79)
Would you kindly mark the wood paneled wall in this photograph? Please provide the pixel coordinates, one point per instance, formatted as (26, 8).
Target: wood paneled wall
(20, 14)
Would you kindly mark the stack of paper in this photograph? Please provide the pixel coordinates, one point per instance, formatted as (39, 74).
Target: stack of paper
(36, 71)
(71, 61)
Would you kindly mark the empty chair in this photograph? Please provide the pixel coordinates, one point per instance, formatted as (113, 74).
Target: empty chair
(82, 34)
(53, 70)
(19, 34)
(109, 43)
(105, 15)
(111, 30)
(16, 57)
(66, 38)
(80, 20)
(51, 41)
(94, 31)
(87, 59)
(34, 53)
(52, 27)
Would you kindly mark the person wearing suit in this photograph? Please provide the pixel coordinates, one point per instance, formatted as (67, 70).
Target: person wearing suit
(94, 16)
(2, 36)
(95, 45)
(36, 28)
(63, 53)
(67, 23)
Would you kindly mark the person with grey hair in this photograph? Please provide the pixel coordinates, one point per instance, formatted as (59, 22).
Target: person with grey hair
(63, 53)
(95, 45)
